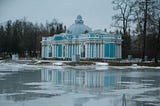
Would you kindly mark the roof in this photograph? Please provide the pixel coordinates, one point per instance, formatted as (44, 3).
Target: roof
(78, 27)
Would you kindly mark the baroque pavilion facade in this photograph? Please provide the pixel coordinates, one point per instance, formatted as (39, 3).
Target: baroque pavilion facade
(80, 40)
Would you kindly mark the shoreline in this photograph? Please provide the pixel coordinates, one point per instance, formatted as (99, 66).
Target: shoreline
(57, 64)
(87, 62)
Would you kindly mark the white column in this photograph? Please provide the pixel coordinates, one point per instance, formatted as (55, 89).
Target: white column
(89, 52)
(93, 45)
(116, 50)
(52, 50)
(120, 47)
(63, 55)
(69, 50)
(55, 51)
(76, 49)
(79, 49)
(72, 50)
(47, 51)
(102, 50)
(109, 50)
(86, 50)
(95, 50)
(98, 50)
(66, 50)
(42, 52)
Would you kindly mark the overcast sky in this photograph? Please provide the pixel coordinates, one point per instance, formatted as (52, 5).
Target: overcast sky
(97, 14)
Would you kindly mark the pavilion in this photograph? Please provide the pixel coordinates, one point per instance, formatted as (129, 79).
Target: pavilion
(79, 39)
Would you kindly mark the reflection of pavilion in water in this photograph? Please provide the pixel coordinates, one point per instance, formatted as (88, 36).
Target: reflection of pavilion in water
(81, 79)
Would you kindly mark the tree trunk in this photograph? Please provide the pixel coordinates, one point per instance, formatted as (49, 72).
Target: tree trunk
(144, 30)
(157, 44)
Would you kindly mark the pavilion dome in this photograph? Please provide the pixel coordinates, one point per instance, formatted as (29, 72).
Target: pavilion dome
(78, 27)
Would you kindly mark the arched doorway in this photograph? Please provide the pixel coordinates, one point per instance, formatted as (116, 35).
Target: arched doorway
(50, 51)
(83, 50)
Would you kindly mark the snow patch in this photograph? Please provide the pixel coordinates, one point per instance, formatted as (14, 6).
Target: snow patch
(102, 67)
(147, 98)
(147, 80)
(58, 92)
(126, 82)
(133, 91)
(58, 64)
(45, 87)
(101, 64)
(11, 94)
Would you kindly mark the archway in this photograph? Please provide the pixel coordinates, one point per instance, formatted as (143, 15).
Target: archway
(50, 51)
(83, 51)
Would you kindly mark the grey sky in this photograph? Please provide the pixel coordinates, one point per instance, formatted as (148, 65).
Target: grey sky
(97, 14)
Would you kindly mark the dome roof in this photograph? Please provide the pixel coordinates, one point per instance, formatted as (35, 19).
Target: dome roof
(78, 27)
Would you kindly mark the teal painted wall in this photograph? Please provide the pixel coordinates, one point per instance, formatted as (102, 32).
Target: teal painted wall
(112, 50)
(109, 50)
(59, 50)
(106, 50)
(91, 49)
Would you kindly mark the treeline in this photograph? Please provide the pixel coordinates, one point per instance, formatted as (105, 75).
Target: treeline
(23, 37)
(139, 23)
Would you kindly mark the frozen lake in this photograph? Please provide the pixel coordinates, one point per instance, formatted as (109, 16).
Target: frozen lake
(32, 86)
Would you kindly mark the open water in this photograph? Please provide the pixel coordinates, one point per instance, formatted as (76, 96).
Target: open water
(78, 87)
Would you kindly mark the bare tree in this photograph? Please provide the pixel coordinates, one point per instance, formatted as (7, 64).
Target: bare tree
(122, 20)
(156, 20)
(124, 15)
(144, 16)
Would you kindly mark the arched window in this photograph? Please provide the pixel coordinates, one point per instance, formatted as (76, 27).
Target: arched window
(50, 51)
(82, 50)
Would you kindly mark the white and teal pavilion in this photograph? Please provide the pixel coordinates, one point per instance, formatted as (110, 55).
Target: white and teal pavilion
(80, 40)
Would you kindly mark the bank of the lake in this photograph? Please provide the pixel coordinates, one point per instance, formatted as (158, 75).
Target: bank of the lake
(86, 64)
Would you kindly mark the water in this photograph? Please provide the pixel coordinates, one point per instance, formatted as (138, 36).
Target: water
(73, 87)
